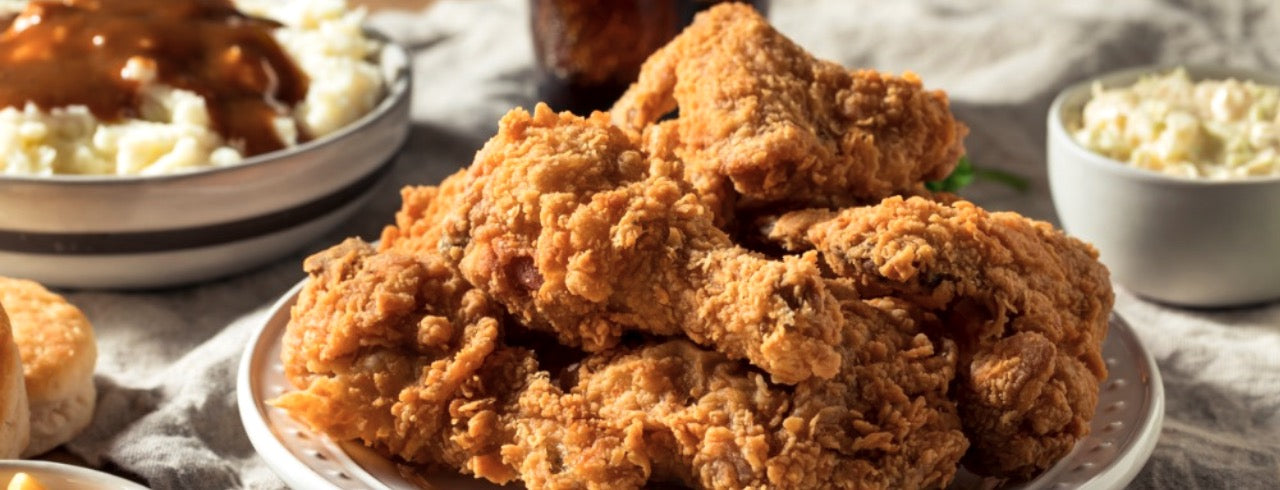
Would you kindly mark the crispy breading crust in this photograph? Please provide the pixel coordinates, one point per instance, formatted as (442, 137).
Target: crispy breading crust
(566, 223)
(402, 355)
(378, 358)
(928, 326)
(1027, 304)
(763, 123)
(673, 412)
(417, 229)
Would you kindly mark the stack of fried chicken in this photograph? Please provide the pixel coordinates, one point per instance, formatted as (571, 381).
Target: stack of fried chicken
(757, 292)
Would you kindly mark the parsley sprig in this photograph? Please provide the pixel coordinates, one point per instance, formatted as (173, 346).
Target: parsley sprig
(965, 173)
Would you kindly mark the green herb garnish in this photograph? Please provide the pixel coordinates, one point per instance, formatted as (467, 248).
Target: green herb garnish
(965, 173)
(960, 177)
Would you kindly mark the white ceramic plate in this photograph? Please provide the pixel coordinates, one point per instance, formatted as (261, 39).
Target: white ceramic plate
(1124, 431)
(63, 476)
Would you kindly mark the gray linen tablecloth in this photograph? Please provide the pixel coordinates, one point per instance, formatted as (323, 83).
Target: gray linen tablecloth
(167, 413)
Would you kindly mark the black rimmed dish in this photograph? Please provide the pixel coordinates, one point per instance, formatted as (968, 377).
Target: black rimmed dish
(156, 231)
(1191, 242)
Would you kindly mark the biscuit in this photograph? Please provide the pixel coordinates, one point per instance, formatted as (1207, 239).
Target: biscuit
(14, 415)
(58, 357)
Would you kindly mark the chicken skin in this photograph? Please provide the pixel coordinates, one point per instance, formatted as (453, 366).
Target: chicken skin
(566, 223)
(761, 122)
(1027, 305)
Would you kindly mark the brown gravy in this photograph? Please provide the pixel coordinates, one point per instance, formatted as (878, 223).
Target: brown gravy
(72, 52)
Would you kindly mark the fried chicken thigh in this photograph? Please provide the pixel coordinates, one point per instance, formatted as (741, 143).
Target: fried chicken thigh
(578, 233)
(404, 356)
(762, 122)
(1027, 305)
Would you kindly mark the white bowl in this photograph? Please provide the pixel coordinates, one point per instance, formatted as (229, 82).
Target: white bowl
(63, 476)
(145, 232)
(1188, 242)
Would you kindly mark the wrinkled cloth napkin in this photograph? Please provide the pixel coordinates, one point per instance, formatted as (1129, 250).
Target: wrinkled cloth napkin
(166, 374)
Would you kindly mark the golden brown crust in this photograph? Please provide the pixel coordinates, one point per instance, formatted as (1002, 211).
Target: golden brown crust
(378, 349)
(1028, 306)
(710, 366)
(401, 354)
(673, 412)
(763, 123)
(567, 223)
(417, 230)
(677, 412)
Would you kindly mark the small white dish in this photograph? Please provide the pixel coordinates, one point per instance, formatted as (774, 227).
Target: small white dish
(145, 232)
(1123, 433)
(63, 476)
(1183, 241)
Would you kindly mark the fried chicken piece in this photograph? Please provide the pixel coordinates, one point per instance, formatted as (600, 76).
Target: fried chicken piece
(762, 122)
(403, 355)
(572, 228)
(685, 415)
(418, 224)
(1027, 305)
(400, 354)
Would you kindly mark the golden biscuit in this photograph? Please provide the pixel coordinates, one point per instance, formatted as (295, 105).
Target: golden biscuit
(14, 415)
(58, 357)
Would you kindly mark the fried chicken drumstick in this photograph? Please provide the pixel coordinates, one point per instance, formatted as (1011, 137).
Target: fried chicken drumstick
(1027, 305)
(763, 122)
(572, 228)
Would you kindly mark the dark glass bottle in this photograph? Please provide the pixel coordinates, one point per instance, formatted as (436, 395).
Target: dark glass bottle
(589, 51)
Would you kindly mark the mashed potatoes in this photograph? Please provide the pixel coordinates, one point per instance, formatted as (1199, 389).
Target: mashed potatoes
(174, 131)
(1216, 129)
